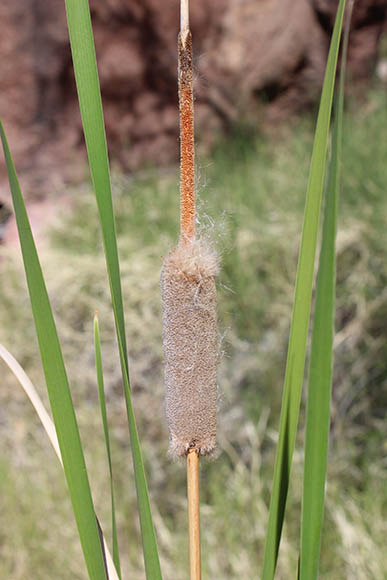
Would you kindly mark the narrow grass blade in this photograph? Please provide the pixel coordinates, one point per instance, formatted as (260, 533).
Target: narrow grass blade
(301, 312)
(102, 402)
(152, 565)
(49, 427)
(57, 384)
(89, 96)
(321, 357)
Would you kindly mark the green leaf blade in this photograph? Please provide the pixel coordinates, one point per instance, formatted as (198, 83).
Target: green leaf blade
(295, 365)
(90, 104)
(102, 402)
(57, 384)
(89, 96)
(151, 558)
(321, 358)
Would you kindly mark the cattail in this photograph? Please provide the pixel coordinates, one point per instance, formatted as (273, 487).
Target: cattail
(189, 296)
(190, 346)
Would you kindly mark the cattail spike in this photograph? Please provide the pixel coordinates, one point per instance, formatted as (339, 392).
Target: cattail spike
(187, 156)
(190, 347)
(189, 296)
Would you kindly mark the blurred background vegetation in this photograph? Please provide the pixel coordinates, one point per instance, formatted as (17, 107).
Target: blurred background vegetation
(251, 187)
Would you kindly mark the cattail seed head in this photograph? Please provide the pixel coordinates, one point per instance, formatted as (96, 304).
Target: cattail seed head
(190, 346)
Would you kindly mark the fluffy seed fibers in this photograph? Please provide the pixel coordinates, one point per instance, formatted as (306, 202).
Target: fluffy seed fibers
(190, 346)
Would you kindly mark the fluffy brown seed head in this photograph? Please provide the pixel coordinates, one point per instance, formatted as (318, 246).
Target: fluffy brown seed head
(190, 346)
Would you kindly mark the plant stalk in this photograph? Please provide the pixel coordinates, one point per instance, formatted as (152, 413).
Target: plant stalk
(193, 514)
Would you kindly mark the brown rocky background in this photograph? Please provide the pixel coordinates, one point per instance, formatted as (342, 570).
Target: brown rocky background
(248, 53)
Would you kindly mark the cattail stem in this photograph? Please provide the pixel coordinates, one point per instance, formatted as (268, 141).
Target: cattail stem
(193, 514)
(184, 19)
(187, 234)
(187, 157)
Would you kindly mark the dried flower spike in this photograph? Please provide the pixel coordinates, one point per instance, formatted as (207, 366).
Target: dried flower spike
(189, 296)
(190, 346)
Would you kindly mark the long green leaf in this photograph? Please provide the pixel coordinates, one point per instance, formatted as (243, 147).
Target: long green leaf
(321, 357)
(102, 402)
(57, 384)
(89, 96)
(301, 312)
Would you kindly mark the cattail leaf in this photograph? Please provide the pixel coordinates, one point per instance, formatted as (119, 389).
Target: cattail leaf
(89, 96)
(57, 384)
(321, 357)
(102, 402)
(295, 365)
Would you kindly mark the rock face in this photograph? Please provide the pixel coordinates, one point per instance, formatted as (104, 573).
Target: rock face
(247, 52)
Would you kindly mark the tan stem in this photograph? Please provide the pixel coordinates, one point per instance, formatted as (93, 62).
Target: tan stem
(184, 19)
(193, 514)
(187, 157)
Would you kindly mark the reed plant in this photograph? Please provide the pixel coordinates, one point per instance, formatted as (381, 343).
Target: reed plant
(190, 335)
